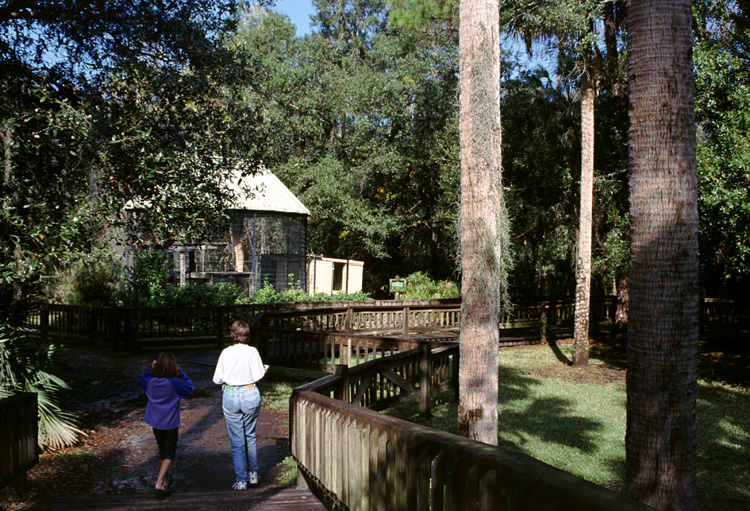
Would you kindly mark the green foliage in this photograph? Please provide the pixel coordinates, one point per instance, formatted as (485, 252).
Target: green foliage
(268, 294)
(147, 282)
(419, 286)
(370, 147)
(135, 106)
(722, 97)
(95, 282)
(27, 365)
(541, 162)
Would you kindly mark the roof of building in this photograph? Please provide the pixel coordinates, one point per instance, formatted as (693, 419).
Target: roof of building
(263, 191)
(260, 191)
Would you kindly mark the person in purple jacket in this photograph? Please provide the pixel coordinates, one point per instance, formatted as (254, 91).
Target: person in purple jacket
(165, 384)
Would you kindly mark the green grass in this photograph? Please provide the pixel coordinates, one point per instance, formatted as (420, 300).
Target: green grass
(276, 387)
(574, 419)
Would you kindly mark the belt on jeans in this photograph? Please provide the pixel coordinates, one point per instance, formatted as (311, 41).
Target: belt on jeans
(229, 389)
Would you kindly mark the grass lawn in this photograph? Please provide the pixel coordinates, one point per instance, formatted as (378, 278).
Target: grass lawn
(574, 419)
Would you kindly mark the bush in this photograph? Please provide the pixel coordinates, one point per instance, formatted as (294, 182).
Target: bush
(95, 283)
(268, 294)
(419, 286)
(26, 365)
(147, 282)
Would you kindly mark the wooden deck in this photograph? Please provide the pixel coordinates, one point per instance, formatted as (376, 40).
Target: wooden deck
(260, 499)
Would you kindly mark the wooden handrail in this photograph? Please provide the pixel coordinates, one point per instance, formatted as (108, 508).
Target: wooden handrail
(361, 459)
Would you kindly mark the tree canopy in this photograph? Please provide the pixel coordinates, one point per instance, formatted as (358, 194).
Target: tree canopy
(104, 102)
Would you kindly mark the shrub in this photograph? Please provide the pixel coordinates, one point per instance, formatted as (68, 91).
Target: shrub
(26, 365)
(419, 286)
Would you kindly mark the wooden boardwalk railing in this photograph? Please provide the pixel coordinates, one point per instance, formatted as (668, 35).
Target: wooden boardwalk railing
(394, 318)
(18, 441)
(364, 460)
(137, 328)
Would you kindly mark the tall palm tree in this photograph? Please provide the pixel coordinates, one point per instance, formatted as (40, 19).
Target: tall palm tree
(661, 440)
(481, 218)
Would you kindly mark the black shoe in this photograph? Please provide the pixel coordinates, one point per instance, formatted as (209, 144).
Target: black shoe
(163, 494)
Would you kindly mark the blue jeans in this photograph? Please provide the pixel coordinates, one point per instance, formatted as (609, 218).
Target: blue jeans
(241, 410)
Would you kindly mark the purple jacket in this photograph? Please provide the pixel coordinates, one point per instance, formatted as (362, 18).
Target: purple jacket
(164, 394)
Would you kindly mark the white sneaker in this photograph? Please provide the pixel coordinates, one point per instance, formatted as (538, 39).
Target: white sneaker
(253, 476)
(240, 485)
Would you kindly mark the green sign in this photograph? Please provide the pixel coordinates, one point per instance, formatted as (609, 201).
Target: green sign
(398, 285)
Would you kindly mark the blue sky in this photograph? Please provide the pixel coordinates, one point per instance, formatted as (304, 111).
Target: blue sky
(299, 12)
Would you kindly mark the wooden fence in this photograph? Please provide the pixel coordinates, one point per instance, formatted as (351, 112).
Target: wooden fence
(18, 437)
(364, 460)
(381, 319)
(124, 328)
(138, 328)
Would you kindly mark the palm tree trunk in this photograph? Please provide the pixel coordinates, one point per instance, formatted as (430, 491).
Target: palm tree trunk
(661, 435)
(583, 266)
(480, 218)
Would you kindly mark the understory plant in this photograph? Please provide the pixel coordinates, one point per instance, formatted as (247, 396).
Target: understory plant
(420, 286)
(26, 365)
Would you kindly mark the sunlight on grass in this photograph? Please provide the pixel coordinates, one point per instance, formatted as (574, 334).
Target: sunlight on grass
(279, 382)
(288, 473)
(564, 417)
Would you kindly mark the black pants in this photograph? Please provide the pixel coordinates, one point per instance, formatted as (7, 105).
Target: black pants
(166, 439)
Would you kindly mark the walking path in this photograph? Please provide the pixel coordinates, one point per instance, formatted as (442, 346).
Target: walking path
(203, 472)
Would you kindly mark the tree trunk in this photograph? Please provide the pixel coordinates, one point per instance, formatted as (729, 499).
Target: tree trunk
(481, 218)
(664, 299)
(583, 266)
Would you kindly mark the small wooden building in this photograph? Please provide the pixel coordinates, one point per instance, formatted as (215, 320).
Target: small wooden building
(265, 240)
(329, 275)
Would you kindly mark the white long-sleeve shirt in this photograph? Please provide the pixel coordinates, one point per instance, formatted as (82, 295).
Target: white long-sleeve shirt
(239, 365)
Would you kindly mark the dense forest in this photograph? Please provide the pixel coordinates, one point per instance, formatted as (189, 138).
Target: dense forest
(105, 101)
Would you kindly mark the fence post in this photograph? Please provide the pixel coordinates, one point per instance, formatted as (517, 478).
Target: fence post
(342, 392)
(455, 367)
(348, 325)
(406, 322)
(346, 357)
(133, 328)
(220, 328)
(543, 321)
(425, 382)
(44, 321)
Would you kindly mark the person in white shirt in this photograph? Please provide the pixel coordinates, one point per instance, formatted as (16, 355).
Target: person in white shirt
(238, 370)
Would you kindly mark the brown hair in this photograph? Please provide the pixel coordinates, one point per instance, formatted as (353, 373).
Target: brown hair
(165, 366)
(240, 332)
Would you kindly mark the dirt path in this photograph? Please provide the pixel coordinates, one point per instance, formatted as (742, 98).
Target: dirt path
(119, 454)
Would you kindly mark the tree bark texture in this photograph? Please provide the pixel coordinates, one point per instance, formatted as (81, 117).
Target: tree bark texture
(663, 282)
(481, 219)
(583, 261)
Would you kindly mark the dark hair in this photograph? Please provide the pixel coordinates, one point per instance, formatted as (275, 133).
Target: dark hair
(165, 366)
(240, 332)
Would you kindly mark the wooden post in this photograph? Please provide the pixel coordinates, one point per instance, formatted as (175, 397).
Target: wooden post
(456, 360)
(219, 325)
(349, 320)
(342, 392)
(543, 321)
(425, 382)
(406, 322)
(346, 357)
(44, 321)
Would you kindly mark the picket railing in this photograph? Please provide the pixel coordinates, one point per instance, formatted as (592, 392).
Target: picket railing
(363, 317)
(137, 328)
(360, 459)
